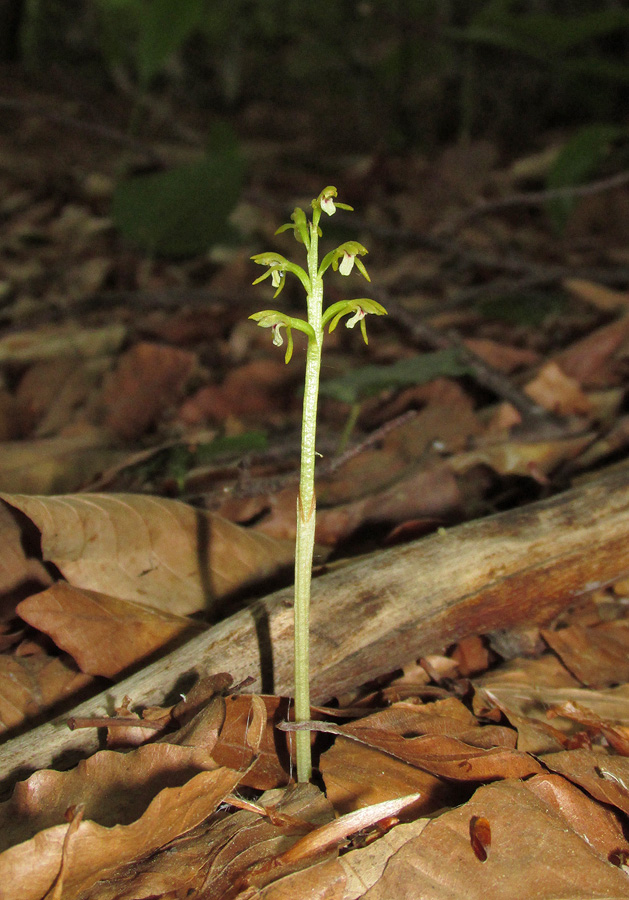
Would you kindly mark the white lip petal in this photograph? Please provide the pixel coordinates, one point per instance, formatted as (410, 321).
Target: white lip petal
(346, 264)
(358, 315)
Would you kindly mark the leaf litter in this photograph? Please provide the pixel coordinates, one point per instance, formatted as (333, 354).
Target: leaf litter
(481, 772)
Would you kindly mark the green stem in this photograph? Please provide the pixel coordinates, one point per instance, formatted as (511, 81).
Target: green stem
(306, 513)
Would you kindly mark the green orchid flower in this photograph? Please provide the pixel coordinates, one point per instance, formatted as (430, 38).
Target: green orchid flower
(359, 308)
(271, 318)
(278, 267)
(344, 258)
(327, 202)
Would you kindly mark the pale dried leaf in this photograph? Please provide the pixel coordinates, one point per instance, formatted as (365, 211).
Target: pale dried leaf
(56, 464)
(555, 391)
(150, 550)
(66, 340)
(549, 841)
(598, 295)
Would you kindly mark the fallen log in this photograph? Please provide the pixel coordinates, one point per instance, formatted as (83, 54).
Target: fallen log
(520, 567)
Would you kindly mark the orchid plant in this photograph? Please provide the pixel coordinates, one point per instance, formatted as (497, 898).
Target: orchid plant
(344, 259)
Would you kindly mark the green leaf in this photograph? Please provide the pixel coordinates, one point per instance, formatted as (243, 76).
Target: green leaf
(230, 446)
(164, 26)
(366, 381)
(183, 211)
(531, 308)
(579, 158)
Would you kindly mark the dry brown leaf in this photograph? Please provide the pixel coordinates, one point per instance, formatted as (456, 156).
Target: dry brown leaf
(555, 391)
(531, 458)
(604, 777)
(114, 789)
(262, 387)
(29, 869)
(348, 770)
(471, 655)
(225, 857)
(592, 360)
(18, 573)
(104, 634)
(427, 493)
(598, 295)
(52, 391)
(442, 755)
(137, 802)
(148, 379)
(149, 550)
(272, 766)
(333, 833)
(503, 357)
(61, 341)
(56, 464)
(348, 877)
(548, 841)
(525, 690)
(597, 656)
(31, 684)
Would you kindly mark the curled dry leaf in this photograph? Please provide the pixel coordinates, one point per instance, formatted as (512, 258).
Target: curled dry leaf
(137, 802)
(480, 837)
(28, 870)
(349, 876)
(163, 553)
(445, 756)
(104, 634)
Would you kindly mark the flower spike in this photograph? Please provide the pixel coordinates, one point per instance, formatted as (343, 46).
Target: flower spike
(343, 259)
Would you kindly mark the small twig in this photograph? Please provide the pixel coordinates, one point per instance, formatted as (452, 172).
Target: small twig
(483, 373)
(532, 198)
(112, 722)
(103, 132)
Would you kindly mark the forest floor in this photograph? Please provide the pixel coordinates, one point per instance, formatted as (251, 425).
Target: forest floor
(139, 409)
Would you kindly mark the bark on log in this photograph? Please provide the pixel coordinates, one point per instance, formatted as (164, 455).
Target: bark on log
(517, 568)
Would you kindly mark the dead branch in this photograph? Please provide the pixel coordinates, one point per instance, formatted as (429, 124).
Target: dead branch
(380, 612)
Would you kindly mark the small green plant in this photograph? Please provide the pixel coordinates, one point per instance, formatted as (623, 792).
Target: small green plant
(344, 258)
